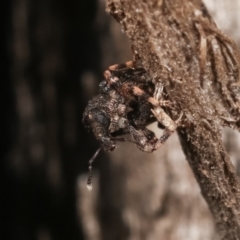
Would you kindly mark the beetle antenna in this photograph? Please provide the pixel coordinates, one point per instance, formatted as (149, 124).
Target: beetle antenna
(89, 180)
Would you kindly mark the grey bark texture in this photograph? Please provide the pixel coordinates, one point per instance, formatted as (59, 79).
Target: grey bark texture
(180, 45)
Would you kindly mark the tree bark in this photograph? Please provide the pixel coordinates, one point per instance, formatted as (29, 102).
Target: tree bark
(179, 44)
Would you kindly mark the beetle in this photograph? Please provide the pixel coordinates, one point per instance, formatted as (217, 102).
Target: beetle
(128, 101)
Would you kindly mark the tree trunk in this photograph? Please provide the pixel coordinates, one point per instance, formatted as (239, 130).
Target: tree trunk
(53, 56)
(180, 46)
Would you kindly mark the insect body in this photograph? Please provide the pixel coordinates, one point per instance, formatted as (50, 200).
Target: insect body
(127, 103)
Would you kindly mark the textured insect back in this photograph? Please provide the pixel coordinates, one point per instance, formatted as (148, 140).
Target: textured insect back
(127, 104)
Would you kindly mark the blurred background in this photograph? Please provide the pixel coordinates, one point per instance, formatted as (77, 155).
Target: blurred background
(52, 57)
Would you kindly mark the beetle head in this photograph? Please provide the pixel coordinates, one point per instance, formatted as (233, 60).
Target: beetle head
(99, 121)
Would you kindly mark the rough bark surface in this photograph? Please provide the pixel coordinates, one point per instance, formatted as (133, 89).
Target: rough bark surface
(180, 46)
(142, 196)
(53, 55)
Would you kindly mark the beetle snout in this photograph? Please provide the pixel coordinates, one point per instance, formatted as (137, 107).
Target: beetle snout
(99, 122)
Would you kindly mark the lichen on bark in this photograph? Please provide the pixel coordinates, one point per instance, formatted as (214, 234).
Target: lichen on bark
(180, 45)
